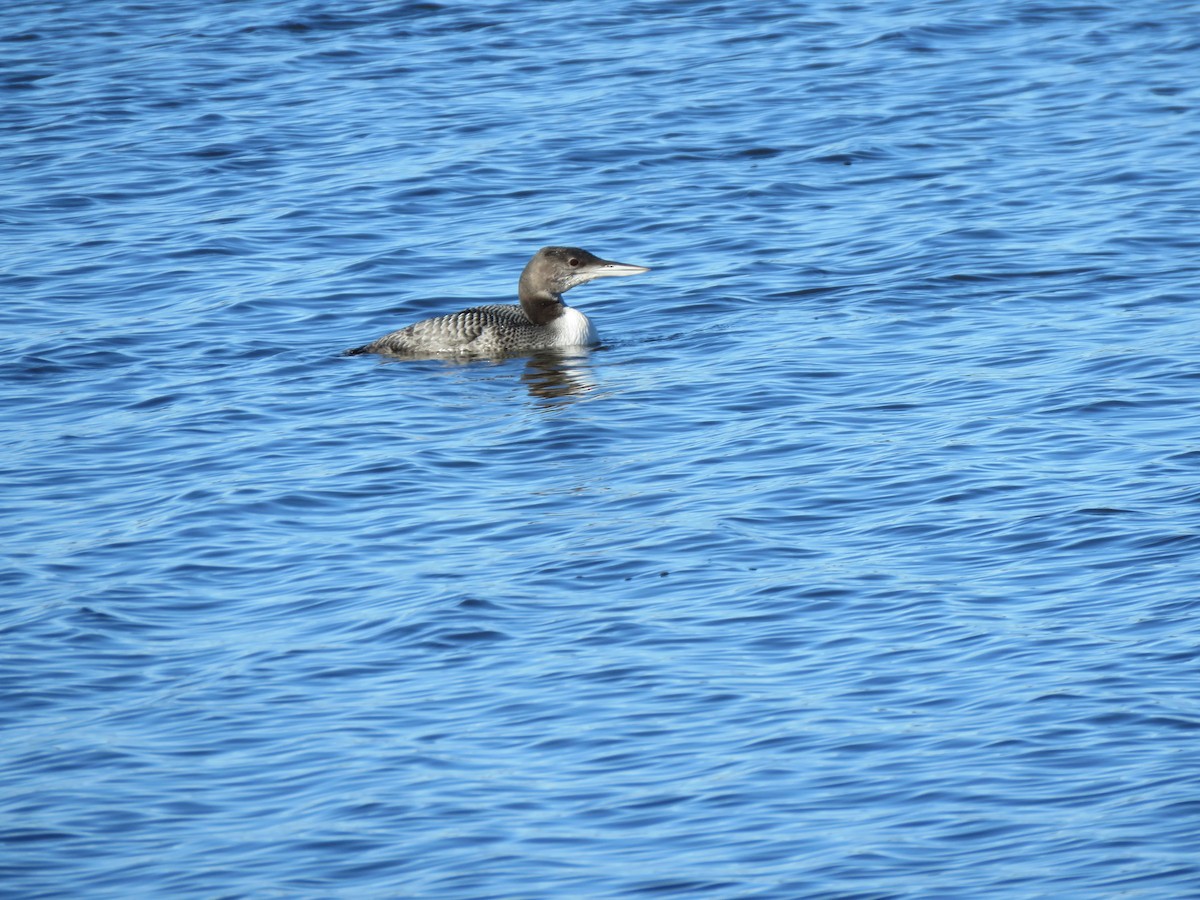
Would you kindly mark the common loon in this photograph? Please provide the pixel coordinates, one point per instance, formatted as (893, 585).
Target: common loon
(541, 322)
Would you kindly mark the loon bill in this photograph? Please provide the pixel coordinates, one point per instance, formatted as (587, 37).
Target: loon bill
(542, 321)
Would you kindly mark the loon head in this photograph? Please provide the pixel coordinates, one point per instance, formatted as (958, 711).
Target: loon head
(554, 270)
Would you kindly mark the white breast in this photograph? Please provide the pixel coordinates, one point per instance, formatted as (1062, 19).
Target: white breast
(573, 329)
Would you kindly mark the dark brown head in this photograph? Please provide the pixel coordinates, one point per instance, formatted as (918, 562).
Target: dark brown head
(554, 270)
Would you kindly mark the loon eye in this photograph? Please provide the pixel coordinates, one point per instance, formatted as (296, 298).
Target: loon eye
(573, 262)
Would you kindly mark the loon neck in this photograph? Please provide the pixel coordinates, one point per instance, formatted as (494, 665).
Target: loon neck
(542, 307)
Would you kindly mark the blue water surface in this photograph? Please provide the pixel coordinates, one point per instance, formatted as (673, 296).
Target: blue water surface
(860, 561)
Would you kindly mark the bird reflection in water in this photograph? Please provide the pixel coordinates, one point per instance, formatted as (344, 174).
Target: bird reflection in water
(558, 374)
(552, 375)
